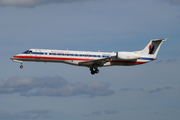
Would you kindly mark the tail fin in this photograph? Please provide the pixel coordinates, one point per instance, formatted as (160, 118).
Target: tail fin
(152, 48)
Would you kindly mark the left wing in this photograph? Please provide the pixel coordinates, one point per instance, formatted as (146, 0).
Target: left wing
(98, 62)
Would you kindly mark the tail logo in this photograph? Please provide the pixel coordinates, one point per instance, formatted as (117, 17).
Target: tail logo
(151, 49)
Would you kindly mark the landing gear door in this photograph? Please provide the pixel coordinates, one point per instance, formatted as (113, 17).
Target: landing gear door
(38, 54)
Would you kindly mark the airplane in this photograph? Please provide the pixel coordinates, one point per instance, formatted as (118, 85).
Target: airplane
(92, 60)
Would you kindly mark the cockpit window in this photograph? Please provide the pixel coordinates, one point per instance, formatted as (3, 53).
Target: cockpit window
(27, 51)
(30, 52)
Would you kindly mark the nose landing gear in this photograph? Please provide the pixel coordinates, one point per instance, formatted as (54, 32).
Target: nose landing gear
(21, 66)
(94, 70)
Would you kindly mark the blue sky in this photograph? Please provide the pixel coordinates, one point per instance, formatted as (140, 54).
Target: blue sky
(58, 91)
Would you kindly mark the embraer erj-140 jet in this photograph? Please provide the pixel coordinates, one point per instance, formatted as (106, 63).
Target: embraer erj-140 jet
(92, 60)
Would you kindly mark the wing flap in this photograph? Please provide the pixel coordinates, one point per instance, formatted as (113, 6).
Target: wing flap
(98, 62)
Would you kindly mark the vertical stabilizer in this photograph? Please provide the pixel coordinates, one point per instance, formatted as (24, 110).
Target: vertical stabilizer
(151, 50)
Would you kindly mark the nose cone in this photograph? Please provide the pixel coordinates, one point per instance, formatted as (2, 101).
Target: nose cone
(16, 58)
(12, 58)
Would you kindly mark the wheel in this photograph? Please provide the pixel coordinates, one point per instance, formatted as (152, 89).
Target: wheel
(96, 71)
(21, 66)
(92, 72)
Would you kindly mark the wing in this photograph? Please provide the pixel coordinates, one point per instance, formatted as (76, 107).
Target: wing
(98, 62)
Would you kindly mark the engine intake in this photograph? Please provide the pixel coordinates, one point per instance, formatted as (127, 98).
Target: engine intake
(127, 55)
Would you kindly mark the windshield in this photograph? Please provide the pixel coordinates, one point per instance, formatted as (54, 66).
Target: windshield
(27, 51)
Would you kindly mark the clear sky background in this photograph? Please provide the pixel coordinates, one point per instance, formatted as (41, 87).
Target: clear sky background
(55, 91)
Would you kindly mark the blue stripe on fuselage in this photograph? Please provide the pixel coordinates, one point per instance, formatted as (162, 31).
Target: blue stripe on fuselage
(147, 58)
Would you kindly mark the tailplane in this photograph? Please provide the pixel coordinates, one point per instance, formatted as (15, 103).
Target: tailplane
(152, 48)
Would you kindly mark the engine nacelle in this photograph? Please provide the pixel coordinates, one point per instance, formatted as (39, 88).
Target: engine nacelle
(127, 55)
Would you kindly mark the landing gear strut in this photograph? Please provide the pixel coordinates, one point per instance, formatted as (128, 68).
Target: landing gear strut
(94, 70)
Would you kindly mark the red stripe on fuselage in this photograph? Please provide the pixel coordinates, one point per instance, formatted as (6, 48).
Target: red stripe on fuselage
(133, 62)
(51, 58)
(75, 59)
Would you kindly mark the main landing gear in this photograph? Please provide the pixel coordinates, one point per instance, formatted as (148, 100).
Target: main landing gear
(94, 70)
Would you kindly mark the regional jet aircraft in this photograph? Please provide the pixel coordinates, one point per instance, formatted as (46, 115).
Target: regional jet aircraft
(92, 60)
